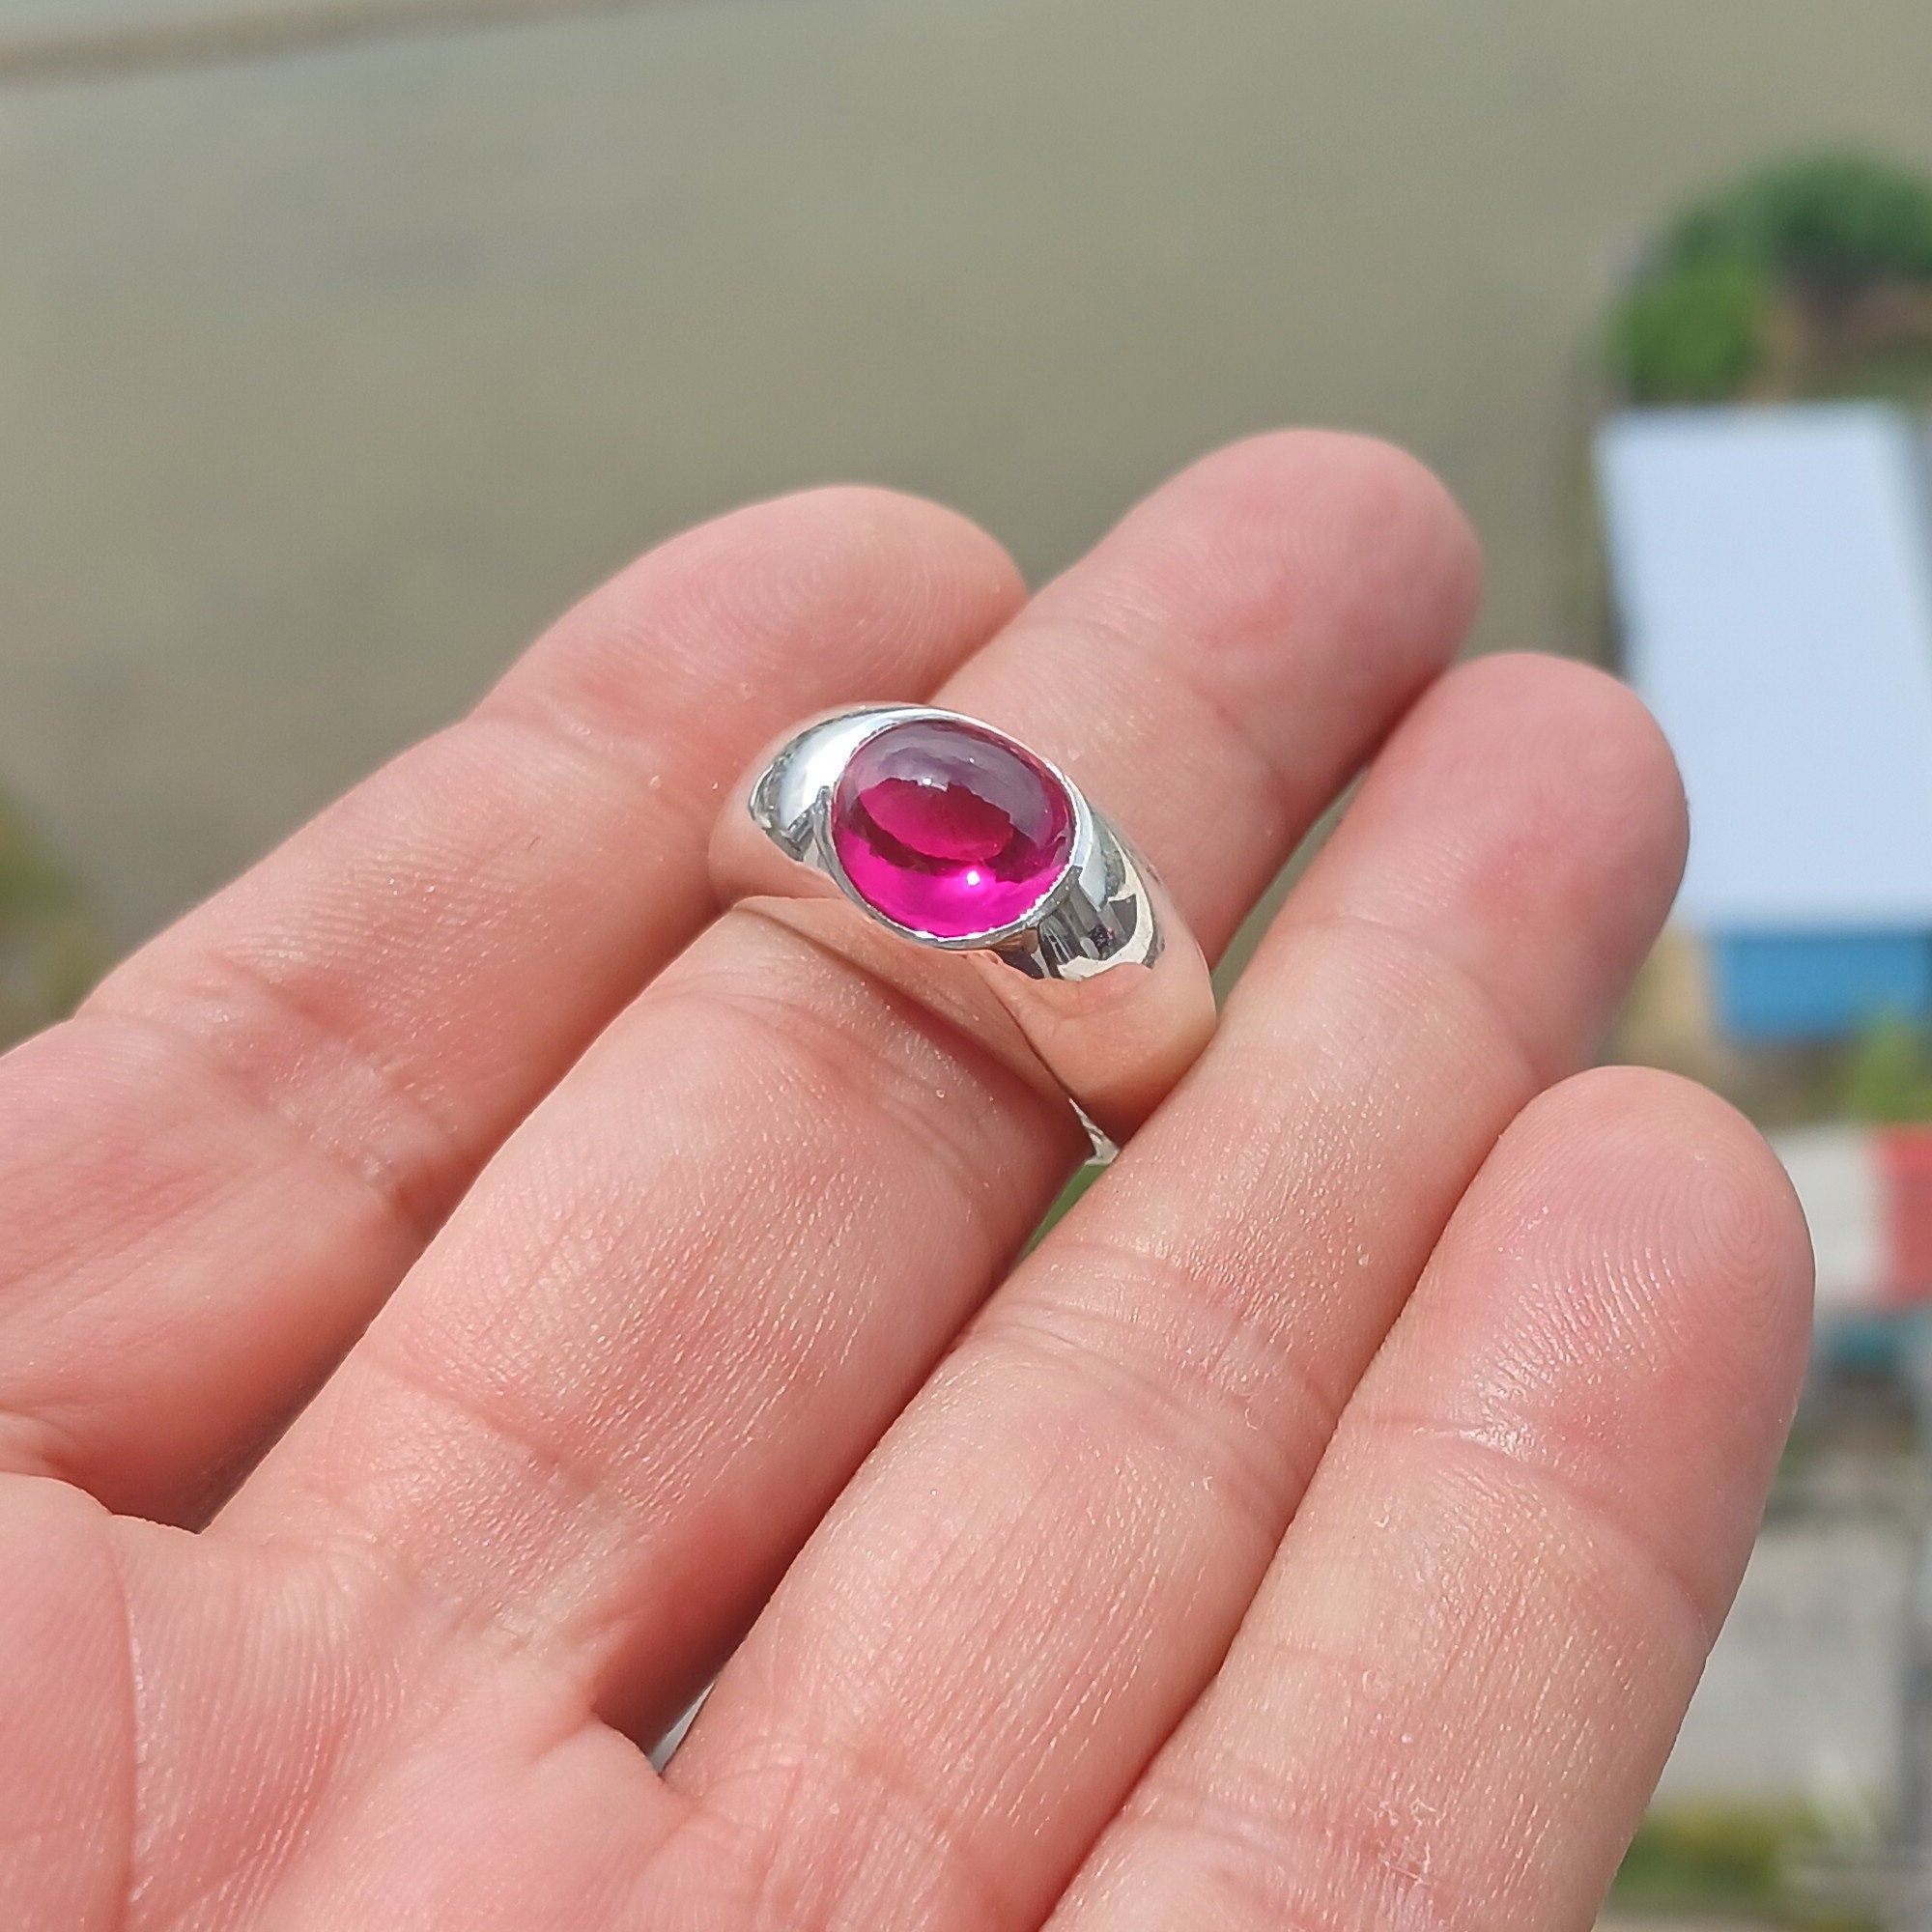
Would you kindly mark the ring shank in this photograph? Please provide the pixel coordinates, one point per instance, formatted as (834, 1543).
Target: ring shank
(1103, 998)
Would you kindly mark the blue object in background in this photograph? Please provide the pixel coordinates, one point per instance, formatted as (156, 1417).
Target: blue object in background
(1773, 574)
(1778, 988)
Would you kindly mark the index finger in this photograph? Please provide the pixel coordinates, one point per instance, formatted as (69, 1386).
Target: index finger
(218, 1169)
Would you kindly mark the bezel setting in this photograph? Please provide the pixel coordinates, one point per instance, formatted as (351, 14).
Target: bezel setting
(1097, 994)
(1091, 917)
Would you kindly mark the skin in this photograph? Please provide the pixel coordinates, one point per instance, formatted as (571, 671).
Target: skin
(460, 1295)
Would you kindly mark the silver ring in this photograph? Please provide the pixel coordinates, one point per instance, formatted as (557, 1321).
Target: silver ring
(972, 874)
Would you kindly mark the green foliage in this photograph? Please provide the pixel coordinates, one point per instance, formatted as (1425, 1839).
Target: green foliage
(1083, 1177)
(1888, 1076)
(47, 953)
(1696, 323)
(1835, 221)
(1692, 335)
(1730, 1858)
(1705, 1856)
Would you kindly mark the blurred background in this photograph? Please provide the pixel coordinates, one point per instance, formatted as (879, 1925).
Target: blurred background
(343, 342)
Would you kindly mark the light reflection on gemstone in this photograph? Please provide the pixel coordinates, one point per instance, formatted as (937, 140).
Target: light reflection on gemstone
(947, 829)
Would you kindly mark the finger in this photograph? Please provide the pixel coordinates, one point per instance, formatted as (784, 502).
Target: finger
(1041, 1568)
(685, 1299)
(1233, 653)
(1457, 1688)
(219, 1168)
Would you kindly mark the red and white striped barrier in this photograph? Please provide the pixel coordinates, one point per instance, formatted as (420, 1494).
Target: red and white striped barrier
(1868, 1194)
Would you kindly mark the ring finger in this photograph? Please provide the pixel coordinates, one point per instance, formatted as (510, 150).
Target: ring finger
(1076, 1511)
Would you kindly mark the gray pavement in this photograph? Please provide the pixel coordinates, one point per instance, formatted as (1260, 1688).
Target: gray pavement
(90, 39)
(326, 378)
(1801, 1699)
(156, 26)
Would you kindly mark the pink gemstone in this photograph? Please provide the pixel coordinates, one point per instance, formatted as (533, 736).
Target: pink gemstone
(947, 829)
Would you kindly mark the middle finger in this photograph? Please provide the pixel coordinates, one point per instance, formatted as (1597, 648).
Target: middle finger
(694, 1288)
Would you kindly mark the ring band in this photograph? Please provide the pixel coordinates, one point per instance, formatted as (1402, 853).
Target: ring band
(974, 875)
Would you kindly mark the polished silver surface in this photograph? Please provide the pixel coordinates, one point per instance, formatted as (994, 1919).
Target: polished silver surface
(1099, 993)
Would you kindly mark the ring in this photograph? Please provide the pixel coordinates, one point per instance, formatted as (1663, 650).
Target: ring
(974, 875)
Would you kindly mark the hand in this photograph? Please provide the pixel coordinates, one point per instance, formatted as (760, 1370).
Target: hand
(449, 1278)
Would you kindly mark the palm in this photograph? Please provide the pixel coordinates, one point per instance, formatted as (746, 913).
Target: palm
(475, 1800)
(1322, 1527)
